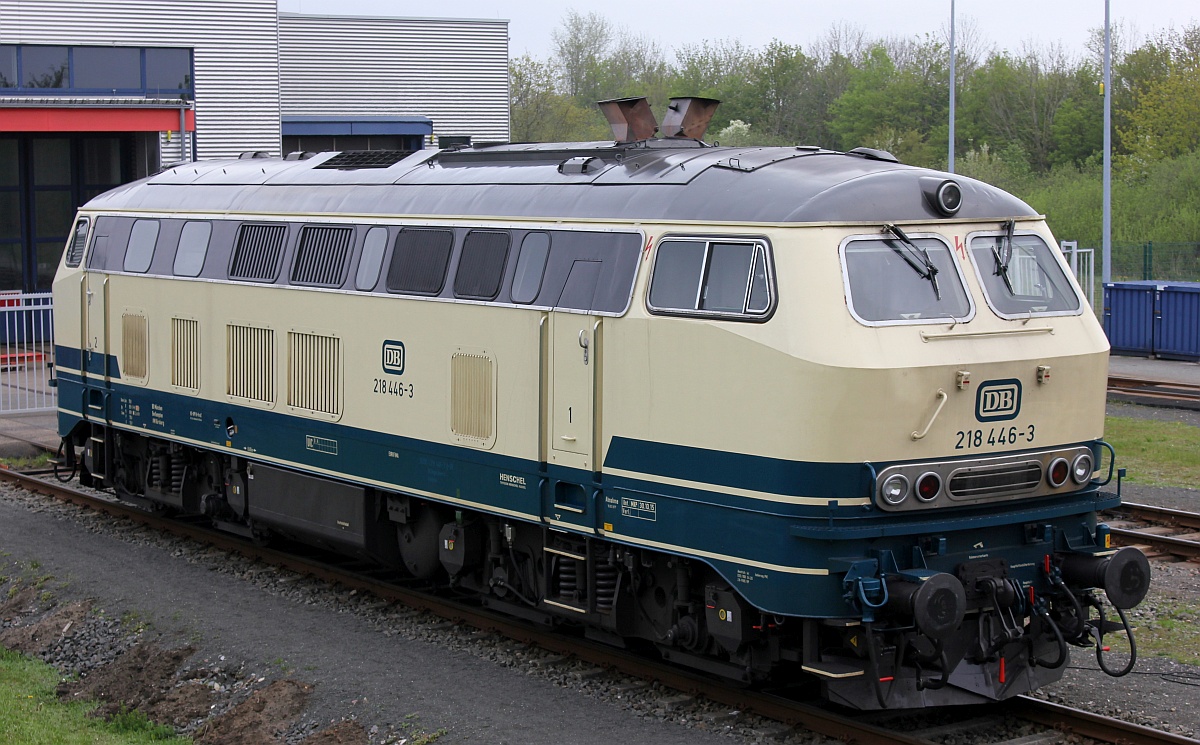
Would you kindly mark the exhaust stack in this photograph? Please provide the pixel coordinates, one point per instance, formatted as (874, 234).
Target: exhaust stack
(630, 118)
(688, 117)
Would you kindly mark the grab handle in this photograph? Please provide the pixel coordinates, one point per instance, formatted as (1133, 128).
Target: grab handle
(941, 395)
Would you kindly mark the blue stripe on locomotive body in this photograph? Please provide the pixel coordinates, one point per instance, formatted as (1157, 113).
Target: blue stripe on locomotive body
(793, 567)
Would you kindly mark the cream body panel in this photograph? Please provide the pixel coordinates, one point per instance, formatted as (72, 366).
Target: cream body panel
(814, 384)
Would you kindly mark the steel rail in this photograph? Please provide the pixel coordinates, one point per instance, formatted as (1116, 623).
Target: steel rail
(1161, 515)
(1155, 392)
(847, 728)
(1174, 545)
(1094, 726)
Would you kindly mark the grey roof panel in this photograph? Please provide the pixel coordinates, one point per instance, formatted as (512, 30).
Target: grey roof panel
(688, 182)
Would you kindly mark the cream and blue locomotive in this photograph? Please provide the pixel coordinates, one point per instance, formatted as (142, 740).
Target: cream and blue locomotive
(780, 414)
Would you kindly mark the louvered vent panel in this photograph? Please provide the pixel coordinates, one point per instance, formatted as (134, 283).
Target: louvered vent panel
(352, 160)
(251, 361)
(321, 257)
(185, 353)
(471, 396)
(314, 372)
(135, 345)
(256, 256)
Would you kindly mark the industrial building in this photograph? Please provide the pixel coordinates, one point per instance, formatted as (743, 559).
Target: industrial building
(96, 93)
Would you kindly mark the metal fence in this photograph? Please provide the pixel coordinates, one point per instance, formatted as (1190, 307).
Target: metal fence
(26, 352)
(1083, 266)
(1168, 262)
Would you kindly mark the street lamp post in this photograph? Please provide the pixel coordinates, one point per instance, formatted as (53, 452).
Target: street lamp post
(950, 158)
(1106, 239)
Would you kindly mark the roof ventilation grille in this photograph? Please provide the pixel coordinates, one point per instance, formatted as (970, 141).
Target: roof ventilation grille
(352, 160)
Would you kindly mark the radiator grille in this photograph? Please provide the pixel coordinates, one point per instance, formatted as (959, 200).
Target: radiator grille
(315, 372)
(185, 353)
(135, 346)
(256, 256)
(472, 399)
(988, 481)
(251, 363)
(321, 256)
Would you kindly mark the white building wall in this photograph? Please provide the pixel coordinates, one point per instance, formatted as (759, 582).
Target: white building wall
(236, 55)
(453, 71)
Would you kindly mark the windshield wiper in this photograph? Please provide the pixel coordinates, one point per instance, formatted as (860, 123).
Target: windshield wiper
(1003, 255)
(916, 257)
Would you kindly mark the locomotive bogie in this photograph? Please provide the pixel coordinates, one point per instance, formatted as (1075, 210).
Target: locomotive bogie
(764, 444)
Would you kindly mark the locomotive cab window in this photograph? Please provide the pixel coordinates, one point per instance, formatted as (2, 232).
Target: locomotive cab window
(140, 250)
(1021, 276)
(711, 278)
(902, 279)
(78, 242)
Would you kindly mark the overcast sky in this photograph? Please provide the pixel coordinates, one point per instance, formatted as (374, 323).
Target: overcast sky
(1002, 23)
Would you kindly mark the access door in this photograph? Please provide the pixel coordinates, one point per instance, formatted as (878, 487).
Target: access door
(572, 416)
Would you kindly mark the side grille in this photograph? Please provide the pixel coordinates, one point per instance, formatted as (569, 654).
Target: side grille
(251, 363)
(321, 256)
(185, 353)
(997, 480)
(256, 256)
(472, 398)
(135, 346)
(314, 373)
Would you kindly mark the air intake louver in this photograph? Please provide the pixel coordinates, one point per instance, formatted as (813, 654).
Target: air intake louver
(321, 256)
(185, 353)
(251, 363)
(472, 398)
(135, 346)
(256, 256)
(314, 373)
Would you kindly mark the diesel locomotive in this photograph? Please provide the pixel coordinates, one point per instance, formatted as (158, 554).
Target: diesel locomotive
(778, 414)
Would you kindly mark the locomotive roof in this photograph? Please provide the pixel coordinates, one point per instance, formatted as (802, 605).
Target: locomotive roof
(658, 179)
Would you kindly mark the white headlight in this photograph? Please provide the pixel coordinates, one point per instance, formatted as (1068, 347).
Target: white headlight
(894, 489)
(1081, 469)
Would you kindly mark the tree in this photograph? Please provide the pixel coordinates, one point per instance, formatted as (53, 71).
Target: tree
(1164, 121)
(1014, 100)
(540, 113)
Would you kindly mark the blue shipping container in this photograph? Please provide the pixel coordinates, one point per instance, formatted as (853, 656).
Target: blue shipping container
(1130, 310)
(1178, 332)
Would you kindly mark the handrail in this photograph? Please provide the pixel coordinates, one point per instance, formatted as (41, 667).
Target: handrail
(926, 336)
(941, 395)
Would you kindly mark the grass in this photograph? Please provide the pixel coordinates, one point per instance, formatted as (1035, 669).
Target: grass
(30, 713)
(1173, 632)
(36, 463)
(1156, 453)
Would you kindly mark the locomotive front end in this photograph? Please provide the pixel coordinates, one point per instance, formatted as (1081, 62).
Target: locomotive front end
(979, 560)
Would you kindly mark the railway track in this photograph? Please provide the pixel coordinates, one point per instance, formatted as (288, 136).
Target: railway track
(1063, 724)
(1158, 531)
(1154, 392)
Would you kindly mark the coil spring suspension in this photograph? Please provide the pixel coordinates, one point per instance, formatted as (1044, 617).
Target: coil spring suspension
(606, 587)
(154, 473)
(568, 579)
(178, 471)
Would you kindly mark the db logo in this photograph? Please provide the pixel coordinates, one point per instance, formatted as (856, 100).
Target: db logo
(393, 357)
(998, 400)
